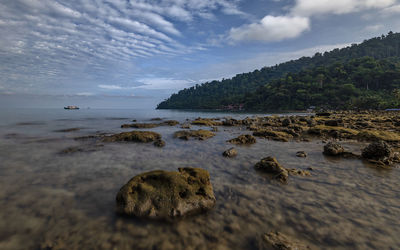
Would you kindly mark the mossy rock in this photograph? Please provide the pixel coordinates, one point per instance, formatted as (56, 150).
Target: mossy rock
(165, 195)
(273, 135)
(198, 134)
(206, 122)
(377, 135)
(170, 123)
(271, 166)
(134, 136)
(243, 140)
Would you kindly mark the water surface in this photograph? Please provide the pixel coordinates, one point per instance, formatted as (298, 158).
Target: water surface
(50, 200)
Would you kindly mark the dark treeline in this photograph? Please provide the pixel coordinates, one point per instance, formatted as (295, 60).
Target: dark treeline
(366, 75)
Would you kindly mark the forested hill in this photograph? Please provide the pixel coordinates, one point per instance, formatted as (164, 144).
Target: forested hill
(343, 78)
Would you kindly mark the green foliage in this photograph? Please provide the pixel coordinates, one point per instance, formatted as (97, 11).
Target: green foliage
(359, 76)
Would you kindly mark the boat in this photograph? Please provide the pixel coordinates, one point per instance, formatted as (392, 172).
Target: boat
(71, 107)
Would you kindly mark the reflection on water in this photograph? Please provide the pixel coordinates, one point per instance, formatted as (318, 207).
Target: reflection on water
(66, 201)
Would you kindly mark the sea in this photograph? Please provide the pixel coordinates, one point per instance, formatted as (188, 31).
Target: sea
(55, 198)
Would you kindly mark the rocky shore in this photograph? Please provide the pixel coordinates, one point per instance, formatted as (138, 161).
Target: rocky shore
(168, 195)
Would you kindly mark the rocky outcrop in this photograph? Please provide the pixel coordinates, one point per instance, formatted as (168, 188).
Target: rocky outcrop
(166, 195)
(279, 241)
(232, 152)
(197, 134)
(271, 166)
(243, 140)
(134, 136)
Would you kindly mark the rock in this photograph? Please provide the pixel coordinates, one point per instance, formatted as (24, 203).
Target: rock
(379, 151)
(198, 134)
(243, 139)
(279, 241)
(325, 114)
(301, 154)
(134, 136)
(166, 195)
(333, 123)
(333, 149)
(232, 152)
(140, 125)
(299, 172)
(67, 130)
(159, 143)
(156, 119)
(231, 122)
(185, 126)
(214, 129)
(273, 135)
(170, 123)
(271, 165)
(286, 122)
(206, 122)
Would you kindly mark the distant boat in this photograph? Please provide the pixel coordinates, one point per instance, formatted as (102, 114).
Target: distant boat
(71, 107)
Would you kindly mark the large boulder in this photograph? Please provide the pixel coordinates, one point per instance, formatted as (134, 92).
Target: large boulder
(166, 195)
(134, 136)
(333, 149)
(379, 151)
(243, 139)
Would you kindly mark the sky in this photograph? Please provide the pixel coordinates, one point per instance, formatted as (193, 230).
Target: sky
(149, 49)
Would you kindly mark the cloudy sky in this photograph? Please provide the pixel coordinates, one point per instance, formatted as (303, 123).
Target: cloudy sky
(152, 48)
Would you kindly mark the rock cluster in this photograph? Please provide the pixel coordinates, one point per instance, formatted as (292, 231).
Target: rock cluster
(271, 166)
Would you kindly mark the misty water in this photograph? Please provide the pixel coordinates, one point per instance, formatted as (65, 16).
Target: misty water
(50, 200)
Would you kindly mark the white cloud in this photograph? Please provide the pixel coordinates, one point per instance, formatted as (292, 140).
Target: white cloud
(395, 9)
(319, 7)
(110, 87)
(271, 28)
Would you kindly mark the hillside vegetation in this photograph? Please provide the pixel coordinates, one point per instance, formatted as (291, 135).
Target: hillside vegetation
(365, 75)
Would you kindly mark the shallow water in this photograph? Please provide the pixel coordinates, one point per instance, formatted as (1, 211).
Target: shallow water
(52, 200)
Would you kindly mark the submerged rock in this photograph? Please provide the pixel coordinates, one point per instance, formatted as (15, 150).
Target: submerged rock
(301, 154)
(140, 125)
(232, 152)
(165, 195)
(198, 134)
(159, 143)
(279, 241)
(134, 136)
(243, 139)
(333, 149)
(68, 130)
(379, 151)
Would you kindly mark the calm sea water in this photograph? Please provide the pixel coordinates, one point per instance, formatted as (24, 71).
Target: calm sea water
(50, 200)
